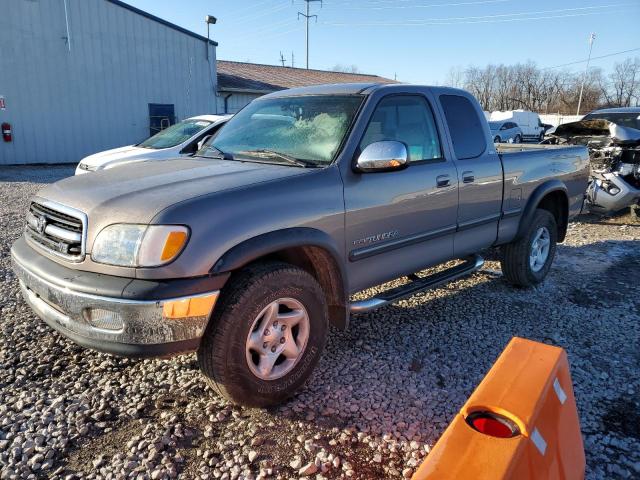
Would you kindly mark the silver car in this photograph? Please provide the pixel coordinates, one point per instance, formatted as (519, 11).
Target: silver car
(505, 132)
(179, 140)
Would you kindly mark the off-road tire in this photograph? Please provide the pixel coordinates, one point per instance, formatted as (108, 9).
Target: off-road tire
(514, 259)
(221, 355)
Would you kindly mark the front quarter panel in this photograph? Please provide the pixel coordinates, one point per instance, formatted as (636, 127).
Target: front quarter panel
(220, 221)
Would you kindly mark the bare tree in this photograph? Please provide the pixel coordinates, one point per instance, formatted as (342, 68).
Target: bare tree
(345, 68)
(623, 88)
(526, 86)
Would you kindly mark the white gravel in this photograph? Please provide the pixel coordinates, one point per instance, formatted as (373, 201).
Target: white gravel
(382, 394)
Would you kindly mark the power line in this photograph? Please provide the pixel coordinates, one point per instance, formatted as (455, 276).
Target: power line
(489, 18)
(592, 58)
(387, 5)
(307, 16)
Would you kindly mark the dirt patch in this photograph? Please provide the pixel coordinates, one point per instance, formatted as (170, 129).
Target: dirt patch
(622, 416)
(108, 444)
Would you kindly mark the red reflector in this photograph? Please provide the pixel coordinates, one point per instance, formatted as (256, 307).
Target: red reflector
(492, 424)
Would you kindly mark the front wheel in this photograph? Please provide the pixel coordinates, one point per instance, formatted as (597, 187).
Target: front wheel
(496, 139)
(527, 261)
(266, 335)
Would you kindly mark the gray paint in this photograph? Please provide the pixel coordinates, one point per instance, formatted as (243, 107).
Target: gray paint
(226, 202)
(64, 104)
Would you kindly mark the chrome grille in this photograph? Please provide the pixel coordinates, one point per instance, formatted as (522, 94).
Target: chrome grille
(57, 229)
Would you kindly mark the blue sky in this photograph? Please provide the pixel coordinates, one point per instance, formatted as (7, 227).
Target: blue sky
(417, 40)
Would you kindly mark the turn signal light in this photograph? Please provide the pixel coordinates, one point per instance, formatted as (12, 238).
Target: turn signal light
(173, 244)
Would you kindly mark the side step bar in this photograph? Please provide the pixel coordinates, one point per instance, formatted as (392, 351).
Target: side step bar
(417, 284)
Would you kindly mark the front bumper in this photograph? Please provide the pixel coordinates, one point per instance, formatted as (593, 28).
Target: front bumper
(602, 201)
(113, 324)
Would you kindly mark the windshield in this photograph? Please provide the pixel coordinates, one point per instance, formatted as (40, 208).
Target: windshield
(495, 125)
(175, 134)
(631, 120)
(304, 130)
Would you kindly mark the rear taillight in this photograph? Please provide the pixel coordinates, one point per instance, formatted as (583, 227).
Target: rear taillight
(6, 132)
(492, 424)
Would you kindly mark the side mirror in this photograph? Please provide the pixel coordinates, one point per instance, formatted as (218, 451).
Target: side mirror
(202, 142)
(383, 156)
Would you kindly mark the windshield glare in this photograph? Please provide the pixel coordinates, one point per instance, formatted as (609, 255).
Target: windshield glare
(307, 128)
(631, 120)
(175, 134)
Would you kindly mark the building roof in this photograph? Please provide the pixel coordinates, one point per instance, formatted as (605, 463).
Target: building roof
(259, 78)
(161, 21)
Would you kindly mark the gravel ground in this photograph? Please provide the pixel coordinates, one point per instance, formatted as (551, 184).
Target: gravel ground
(382, 394)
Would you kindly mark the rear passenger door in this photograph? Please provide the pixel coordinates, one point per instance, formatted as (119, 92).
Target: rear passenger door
(480, 175)
(400, 221)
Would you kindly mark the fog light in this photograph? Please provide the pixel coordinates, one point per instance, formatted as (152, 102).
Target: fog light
(104, 319)
(492, 424)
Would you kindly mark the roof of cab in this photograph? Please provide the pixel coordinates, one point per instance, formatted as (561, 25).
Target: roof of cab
(618, 110)
(360, 89)
(209, 118)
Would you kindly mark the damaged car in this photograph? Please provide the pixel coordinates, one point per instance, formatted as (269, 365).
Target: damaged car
(613, 139)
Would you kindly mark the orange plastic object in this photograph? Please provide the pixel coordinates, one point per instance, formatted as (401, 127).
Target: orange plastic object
(530, 385)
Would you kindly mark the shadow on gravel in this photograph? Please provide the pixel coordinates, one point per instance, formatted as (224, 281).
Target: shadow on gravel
(622, 416)
(36, 173)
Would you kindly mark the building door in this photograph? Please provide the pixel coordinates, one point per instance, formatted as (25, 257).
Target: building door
(161, 115)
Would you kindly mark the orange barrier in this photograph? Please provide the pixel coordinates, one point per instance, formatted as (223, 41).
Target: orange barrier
(520, 423)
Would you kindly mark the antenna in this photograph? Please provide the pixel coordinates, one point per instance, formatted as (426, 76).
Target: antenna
(307, 17)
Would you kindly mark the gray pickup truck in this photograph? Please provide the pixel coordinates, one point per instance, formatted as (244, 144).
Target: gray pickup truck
(247, 252)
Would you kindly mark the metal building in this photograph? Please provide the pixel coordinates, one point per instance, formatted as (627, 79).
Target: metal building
(80, 76)
(241, 82)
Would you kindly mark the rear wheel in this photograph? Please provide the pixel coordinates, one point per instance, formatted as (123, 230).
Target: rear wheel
(517, 139)
(266, 335)
(527, 261)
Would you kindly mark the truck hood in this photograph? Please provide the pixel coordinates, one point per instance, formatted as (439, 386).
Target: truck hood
(130, 152)
(588, 129)
(135, 193)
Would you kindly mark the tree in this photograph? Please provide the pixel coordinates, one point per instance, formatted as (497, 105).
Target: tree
(345, 68)
(623, 88)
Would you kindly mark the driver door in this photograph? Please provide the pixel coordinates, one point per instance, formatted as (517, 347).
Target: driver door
(398, 222)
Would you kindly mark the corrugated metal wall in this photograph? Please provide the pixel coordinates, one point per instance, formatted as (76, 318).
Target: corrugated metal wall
(235, 102)
(64, 105)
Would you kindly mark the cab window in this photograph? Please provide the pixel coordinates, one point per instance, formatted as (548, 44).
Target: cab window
(407, 119)
(465, 126)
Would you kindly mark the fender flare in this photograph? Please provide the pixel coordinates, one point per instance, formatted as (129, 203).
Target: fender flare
(272, 242)
(535, 198)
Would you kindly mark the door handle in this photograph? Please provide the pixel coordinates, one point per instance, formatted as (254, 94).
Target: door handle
(468, 177)
(442, 181)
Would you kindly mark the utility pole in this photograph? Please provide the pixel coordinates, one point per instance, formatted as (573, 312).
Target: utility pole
(307, 16)
(592, 37)
(292, 61)
(282, 59)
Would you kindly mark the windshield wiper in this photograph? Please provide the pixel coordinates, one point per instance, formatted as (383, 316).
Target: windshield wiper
(283, 156)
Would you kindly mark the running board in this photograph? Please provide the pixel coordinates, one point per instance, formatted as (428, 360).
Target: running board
(417, 284)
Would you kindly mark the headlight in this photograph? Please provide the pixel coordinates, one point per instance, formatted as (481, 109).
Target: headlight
(131, 245)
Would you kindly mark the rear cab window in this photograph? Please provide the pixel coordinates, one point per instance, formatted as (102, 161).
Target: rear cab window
(465, 126)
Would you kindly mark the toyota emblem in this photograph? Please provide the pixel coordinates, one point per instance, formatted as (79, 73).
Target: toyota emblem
(42, 224)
